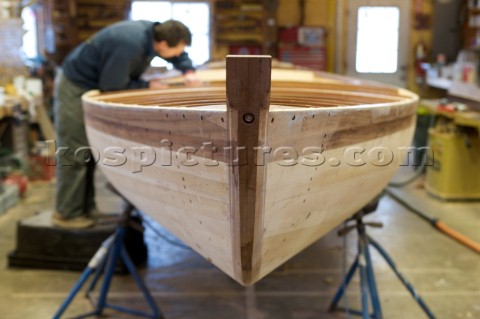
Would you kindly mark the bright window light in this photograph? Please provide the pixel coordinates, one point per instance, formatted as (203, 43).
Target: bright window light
(151, 10)
(377, 40)
(195, 15)
(30, 35)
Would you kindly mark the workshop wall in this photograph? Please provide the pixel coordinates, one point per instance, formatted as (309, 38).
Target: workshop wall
(324, 13)
(312, 13)
(421, 21)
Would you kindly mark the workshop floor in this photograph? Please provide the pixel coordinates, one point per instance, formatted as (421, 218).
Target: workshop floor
(185, 286)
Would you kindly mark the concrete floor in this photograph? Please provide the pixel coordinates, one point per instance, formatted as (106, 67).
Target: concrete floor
(185, 286)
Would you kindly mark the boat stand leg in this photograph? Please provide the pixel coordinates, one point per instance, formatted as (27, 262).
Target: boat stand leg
(372, 285)
(364, 291)
(367, 285)
(343, 286)
(103, 263)
(110, 269)
(86, 273)
(364, 263)
(98, 273)
(98, 258)
(156, 313)
(404, 281)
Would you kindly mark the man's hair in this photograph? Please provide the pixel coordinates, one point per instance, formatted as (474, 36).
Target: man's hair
(172, 31)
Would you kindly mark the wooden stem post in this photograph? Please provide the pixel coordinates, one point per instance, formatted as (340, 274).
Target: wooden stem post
(248, 101)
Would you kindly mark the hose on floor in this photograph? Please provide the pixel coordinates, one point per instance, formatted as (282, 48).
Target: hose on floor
(416, 174)
(439, 225)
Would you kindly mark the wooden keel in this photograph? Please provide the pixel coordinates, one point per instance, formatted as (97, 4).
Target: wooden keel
(248, 100)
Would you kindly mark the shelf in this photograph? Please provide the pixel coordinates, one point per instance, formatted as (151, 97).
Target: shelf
(469, 91)
(439, 83)
(474, 10)
(74, 21)
(239, 39)
(241, 22)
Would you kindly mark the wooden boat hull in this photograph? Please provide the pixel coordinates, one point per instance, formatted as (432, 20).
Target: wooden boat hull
(250, 195)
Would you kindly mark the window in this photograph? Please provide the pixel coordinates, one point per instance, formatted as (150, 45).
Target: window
(377, 39)
(195, 15)
(30, 35)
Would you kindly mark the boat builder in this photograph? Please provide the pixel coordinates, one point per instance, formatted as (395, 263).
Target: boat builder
(112, 59)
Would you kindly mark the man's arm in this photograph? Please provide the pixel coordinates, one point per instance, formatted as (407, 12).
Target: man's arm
(182, 63)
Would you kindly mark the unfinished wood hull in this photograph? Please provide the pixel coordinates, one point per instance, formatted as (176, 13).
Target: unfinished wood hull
(250, 175)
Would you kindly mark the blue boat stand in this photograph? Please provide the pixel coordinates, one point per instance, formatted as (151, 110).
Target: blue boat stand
(103, 263)
(364, 264)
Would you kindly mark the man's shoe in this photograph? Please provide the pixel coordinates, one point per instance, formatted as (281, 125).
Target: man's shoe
(79, 222)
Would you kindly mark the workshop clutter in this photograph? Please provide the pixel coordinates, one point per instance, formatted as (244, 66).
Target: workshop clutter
(11, 184)
(9, 194)
(11, 64)
(41, 162)
(465, 68)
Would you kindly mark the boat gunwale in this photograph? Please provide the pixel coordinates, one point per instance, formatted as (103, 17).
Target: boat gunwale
(93, 98)
(222, 108)
(400, 92)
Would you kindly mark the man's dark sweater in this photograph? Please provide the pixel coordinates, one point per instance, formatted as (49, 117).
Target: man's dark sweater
(115, 58)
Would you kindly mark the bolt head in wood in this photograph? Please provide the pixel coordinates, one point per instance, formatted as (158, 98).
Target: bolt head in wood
(248, 118)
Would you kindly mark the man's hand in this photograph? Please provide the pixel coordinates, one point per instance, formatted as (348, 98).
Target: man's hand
(191, 79)
(157, 84)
